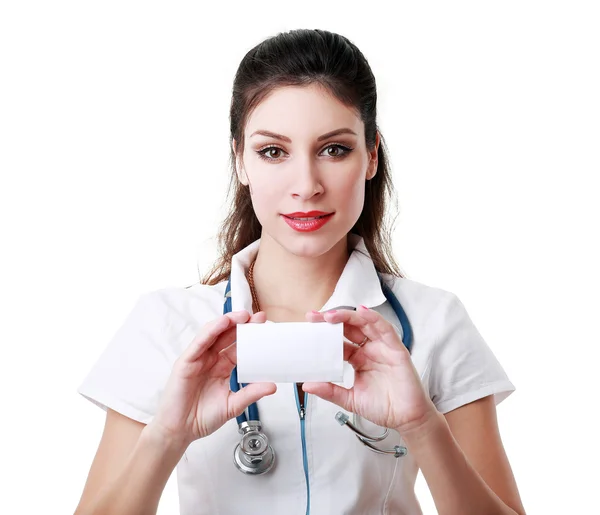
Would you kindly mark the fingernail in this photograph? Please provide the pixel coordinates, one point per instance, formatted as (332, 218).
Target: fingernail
(364, 307)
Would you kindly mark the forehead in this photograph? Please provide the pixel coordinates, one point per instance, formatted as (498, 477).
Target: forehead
(302, 112)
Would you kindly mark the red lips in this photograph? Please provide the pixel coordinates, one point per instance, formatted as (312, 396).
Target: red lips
(299, 214)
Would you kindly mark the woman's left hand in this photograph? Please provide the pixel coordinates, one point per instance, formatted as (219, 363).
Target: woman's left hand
(387, 389)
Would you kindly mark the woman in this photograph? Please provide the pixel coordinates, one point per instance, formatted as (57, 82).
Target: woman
(304, 241)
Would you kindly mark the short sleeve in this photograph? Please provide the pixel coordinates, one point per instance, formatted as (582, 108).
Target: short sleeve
(132, 371)
(463, 367)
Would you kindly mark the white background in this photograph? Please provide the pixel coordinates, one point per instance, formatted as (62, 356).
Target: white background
(114, 155)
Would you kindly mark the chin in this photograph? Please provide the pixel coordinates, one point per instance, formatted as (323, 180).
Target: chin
(309, 244)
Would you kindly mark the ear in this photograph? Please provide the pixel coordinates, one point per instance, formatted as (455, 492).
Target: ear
(373, 161)
(239, 169)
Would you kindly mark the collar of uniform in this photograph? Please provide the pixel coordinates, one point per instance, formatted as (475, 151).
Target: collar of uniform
(358, 284)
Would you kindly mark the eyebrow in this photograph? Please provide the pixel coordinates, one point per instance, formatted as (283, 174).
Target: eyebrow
(344, 130)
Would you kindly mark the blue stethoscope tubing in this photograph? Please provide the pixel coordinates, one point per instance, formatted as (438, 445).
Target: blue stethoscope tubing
(407, 339)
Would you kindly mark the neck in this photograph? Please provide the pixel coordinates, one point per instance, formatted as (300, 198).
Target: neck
(288, 285)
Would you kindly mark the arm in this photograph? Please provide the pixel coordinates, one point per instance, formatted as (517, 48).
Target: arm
(389, 392)
(455, 475)
(133, 464)
(138, 487)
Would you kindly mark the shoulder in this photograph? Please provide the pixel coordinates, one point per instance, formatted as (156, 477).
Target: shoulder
(420, 301)
(183, 299)
(183, 311)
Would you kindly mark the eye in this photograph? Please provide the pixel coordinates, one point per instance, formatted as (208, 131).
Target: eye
(269, 150)
(341, 151)
(340, 148)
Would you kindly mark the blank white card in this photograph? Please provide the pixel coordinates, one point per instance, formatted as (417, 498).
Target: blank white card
(290, 352)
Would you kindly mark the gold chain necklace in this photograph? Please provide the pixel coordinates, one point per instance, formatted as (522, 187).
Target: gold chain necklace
(250, 277)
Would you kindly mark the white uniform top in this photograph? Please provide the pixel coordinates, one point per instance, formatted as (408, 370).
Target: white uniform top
(455, 364)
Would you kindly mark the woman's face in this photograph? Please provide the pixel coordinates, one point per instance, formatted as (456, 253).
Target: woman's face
(303, 171)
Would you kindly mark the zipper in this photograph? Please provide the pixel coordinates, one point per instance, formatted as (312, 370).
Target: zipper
(302, 413)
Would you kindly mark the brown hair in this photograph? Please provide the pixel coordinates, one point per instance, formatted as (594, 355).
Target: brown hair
(298, 58)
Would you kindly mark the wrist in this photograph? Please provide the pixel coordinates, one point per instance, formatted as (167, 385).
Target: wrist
(424, 428)
(168, 443)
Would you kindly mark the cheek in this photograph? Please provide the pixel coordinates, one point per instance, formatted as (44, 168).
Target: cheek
(352, 191)
(265, 194)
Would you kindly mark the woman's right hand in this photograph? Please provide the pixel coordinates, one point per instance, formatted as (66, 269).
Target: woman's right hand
(197, 400)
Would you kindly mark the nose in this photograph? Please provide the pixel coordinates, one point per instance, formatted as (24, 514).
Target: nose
(306, 181)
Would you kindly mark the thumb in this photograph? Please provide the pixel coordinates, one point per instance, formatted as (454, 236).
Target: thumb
(332, 393)
(250, 393)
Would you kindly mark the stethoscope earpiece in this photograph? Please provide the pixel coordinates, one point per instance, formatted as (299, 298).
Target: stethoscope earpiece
(344, 420)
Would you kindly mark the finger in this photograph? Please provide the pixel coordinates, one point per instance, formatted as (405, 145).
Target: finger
(230, 334)
(240, 400)
(381, 326)
(258, 318)
(331, 392)
(228, 354)
(370, 322)
(351, 333)
(211, 331)
(350, 349)
(224, 340)
(226, 361)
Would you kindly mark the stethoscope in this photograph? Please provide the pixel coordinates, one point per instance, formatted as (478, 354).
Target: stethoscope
(254, 455)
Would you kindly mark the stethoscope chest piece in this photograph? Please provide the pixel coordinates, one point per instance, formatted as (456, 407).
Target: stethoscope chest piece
(253, 455)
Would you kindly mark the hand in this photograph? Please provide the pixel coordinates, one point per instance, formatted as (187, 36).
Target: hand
(197, 399)
(387, 388)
